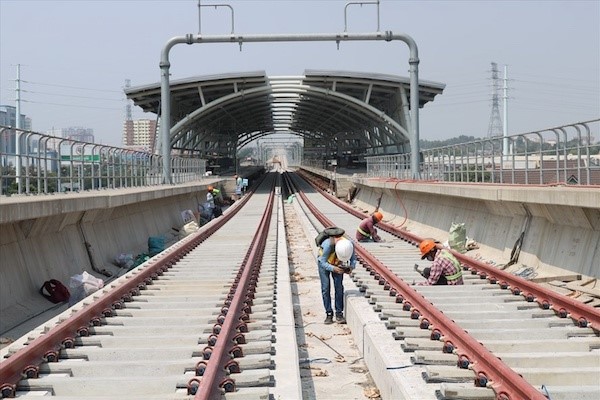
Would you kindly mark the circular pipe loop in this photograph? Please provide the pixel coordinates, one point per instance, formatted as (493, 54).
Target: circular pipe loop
(83, 331)
(463, 362)
(51, 356)
(200, 368)
(192, 386)
(424, 324)
(207, 352)
(233, 367)
(8, 390)
(68, 342)
(242, 327)
(212, 340)
(415, 314)
(448, 348)
(239, 339)
(530, 297)
(236, 352)
(545, 305)
(228, 385)
(563, 313)
(217, 328)
(31, 372)
(481, 380)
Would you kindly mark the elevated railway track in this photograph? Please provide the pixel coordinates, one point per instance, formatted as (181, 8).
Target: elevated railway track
(200, 320)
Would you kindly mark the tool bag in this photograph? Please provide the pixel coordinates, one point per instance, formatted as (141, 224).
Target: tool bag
(55, 291)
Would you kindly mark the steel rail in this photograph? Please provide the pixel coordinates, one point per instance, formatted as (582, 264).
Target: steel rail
(46, 348)
(490, 370)
(215, 371)
(584, 315)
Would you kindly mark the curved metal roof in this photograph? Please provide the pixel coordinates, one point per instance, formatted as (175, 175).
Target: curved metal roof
(351, 109)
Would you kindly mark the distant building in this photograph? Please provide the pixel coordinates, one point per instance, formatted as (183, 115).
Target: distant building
(8, 117)
(139, 133)
(78, 134)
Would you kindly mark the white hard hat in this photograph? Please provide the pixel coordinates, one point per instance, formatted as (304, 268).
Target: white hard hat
(344, 249)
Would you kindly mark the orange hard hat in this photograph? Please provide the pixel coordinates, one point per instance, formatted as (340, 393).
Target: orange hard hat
(378, 216)
(210, 188)
(426, 246)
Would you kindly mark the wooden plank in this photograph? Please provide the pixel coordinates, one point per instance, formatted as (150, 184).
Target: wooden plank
(570, 277)
(591, 291)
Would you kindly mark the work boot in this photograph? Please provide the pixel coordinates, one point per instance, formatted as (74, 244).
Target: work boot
(339, 318)
(329, 319)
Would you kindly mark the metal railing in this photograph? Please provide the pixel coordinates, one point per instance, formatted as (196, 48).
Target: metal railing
(35, 163)
(568, 154)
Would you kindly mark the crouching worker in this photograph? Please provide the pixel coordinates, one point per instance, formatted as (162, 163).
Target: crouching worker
(336, 257)
(445, 269)
(366, 230)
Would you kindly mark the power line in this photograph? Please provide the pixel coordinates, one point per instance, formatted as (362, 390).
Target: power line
(71, 95)
(72, 87)
(70, 105)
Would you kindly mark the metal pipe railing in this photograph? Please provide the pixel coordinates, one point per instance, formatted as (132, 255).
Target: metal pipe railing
(52, 165)
(550, 156)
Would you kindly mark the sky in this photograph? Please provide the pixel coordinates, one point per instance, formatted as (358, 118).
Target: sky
(75, 56)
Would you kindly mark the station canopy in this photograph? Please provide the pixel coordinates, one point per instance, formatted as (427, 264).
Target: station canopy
(364, 113)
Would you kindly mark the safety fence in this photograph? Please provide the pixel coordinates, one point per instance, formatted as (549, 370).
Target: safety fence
(568, 154)
(35, 163)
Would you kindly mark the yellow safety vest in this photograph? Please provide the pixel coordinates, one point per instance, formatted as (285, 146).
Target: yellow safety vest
(363, 232)
(332, 258)
(448, 256)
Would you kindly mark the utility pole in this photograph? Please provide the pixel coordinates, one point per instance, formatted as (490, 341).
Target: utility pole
(505, 104)
(495, 125)
(18, 132)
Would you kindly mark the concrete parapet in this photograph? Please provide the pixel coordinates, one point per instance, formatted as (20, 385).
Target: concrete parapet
(560, 225)
(58, 236)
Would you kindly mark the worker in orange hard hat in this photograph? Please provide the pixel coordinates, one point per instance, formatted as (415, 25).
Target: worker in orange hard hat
(366, 231)
(445, 269)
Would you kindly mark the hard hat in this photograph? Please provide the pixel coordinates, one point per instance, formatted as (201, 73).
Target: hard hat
(378, 216)
(426, 246)
(210, 188)
(344, 249)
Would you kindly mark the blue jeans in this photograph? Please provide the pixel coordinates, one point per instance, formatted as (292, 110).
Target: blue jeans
(326, 291)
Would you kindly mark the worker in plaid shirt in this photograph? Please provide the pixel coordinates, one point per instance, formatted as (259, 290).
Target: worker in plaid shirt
(445, 269)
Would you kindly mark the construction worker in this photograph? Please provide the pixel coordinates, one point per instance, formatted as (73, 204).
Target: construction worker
(445, 269)
(212, 202)
(336, 257)
(366, 231)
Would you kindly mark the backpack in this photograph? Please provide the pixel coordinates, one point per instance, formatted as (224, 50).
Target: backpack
(57, 292)
(327, 233)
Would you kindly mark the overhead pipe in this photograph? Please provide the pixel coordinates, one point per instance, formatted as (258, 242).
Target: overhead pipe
(387, 36)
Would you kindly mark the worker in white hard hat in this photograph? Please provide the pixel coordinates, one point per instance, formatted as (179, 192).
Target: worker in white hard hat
(336, 257)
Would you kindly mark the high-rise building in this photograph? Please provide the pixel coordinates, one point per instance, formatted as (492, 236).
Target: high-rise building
(8, 117)
(78, 133)
(139, 133)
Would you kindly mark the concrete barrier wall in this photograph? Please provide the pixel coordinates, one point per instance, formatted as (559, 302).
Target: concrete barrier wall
(56, 237)
(561, 224)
